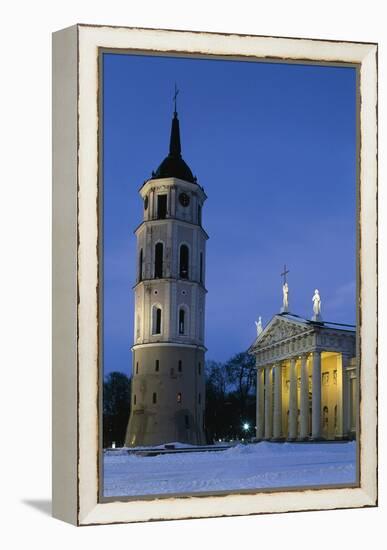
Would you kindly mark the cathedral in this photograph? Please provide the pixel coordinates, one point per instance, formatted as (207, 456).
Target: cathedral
(168, 376)
(306, 377)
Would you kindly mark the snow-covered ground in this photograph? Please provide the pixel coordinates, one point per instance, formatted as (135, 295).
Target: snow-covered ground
(253, 466)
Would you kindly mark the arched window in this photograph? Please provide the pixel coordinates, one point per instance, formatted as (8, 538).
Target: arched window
(161, 206)
(184, 262)
(157, 365)
(156, 320)
(181, 321)
(154, 398)
(159, 251)
(137, 367)
(325, 419)
(180, 365)
(140, 261)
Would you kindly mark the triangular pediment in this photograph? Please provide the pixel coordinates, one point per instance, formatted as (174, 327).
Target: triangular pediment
(279, 329)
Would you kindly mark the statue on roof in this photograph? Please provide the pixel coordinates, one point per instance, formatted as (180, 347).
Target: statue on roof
(316, 306)
(285, 298)
(259, 326)
(285, 292)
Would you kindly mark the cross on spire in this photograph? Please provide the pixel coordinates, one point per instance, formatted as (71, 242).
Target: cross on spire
(175, 97)
(285, 272)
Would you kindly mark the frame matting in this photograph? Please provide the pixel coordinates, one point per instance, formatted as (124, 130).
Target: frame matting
(76, 408)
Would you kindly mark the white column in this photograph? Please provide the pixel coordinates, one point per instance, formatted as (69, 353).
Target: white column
(173, 202)
(268, 402)
(316, 395)
(342, 396)
(169, 202)
(304, 398)
(346, 396)
(354, 402)
(151, 207)
(292, 433)
(260, 420)
(277, 413)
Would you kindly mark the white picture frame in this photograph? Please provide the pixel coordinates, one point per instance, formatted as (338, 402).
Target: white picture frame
(76, 377)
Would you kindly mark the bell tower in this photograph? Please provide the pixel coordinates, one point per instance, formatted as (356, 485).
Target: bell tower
(168, 376)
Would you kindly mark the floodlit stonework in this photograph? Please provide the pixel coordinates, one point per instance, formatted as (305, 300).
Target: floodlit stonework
(306, 380)
(168, 379)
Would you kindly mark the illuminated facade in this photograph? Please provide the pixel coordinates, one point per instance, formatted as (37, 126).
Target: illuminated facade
(306, 380)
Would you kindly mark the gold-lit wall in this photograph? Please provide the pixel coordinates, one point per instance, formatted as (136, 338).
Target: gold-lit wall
(331, 394)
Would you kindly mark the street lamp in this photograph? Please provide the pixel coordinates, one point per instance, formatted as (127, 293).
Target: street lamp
(246, 426)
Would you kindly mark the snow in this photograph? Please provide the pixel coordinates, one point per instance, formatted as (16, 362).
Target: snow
(254, 466)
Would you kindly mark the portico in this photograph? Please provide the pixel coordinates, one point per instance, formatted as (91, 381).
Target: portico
(306, 380)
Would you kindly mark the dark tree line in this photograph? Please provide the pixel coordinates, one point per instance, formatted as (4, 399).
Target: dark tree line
(116, 408)
(230, 401)
(230, 398)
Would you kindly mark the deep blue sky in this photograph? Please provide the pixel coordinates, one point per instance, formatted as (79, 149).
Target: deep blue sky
(274, 146)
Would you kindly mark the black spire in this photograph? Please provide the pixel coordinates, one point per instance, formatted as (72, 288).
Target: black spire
(173, 166)
(174, 142)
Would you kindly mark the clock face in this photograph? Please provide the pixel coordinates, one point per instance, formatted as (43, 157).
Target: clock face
(184, 199)
(146, 202)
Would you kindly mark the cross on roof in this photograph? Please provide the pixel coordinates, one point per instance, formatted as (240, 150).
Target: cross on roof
(175, 97)
(285, 272)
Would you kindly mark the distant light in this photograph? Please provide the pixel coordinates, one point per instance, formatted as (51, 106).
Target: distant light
(246, 426)
(113, 445)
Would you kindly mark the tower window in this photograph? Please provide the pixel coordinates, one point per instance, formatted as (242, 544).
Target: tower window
(181, 321)
(186, 418)
(184, 261)
(179, 397)
(134, 399)
(137, 367)
(156, 320)
(140, 261)
(154, 398)
(201, 267)
(159, 252)
(199, 214)
(180, 365)
(199, 398)
(157, 365)
(161, 207)
(199, 368)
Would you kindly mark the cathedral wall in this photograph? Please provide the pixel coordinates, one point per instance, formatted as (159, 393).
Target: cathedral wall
(329, 368)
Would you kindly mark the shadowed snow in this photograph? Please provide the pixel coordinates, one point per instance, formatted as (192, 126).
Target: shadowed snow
(254, 466)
